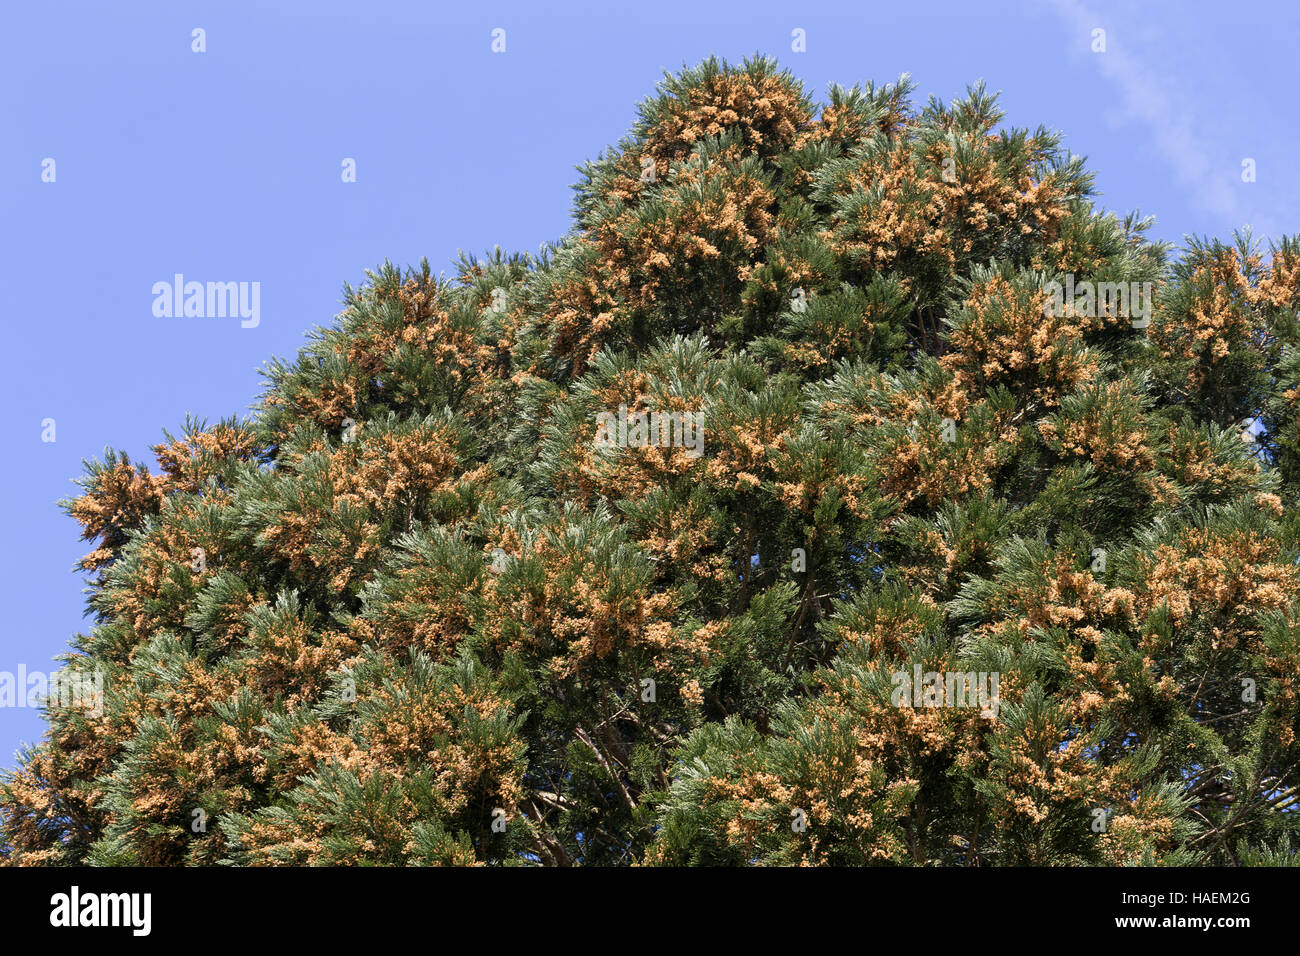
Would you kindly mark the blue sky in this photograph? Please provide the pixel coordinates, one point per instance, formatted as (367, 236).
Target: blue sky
(225, 166)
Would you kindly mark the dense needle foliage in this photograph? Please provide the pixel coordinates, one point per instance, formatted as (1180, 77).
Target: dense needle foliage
(411, 611)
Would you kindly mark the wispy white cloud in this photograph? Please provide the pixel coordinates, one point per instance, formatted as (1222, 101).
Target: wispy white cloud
(1169, 121)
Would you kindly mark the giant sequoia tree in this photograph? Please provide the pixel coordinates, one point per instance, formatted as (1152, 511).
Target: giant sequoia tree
(413, 610)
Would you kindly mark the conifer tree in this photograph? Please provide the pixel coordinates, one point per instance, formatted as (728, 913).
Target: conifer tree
(419, 609)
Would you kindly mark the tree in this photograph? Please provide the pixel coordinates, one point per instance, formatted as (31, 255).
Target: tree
(844, 488)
